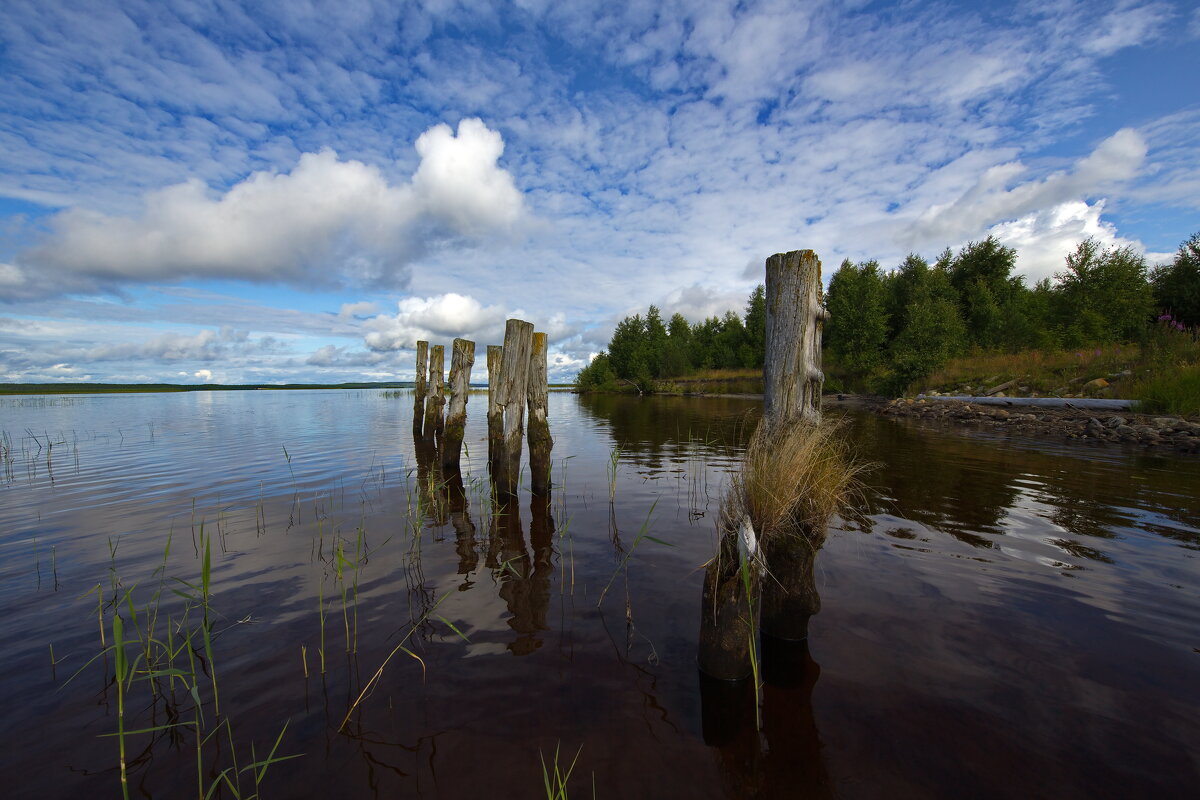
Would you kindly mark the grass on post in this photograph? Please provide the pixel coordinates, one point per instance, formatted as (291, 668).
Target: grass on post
(794, 476)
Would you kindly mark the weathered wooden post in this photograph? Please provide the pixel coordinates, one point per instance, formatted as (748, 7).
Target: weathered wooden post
(540, 441)
(793, 380)
(727, 618)
(461, 361)
(735, 604)
(436, 400)
(514, 380)
(495, 412)
(792, 374)
(420, 388)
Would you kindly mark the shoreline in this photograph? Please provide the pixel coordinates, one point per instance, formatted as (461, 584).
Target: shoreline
(1068, 422)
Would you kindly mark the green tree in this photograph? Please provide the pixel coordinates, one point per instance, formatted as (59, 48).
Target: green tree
(1177, 285)
(704, 343)
(901, 285)
(1103, 295)
(756, 328)
(598, 376)
(857, 329)
(990, 299)
(654, 345)
(627, 351)
(677, 360)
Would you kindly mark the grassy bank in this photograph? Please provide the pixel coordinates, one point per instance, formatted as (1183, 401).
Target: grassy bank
(1163, 375)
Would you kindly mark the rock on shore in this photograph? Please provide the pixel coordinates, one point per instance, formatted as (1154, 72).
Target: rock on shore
(1168, 433)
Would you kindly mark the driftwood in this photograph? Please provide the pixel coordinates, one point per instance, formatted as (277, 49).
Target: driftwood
(436, 399)
(792, 374)
(514, 379)
(461, 361)
(420, 388)
(540, 441)
(495, 411)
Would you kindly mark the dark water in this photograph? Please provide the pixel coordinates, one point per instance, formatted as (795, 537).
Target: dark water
(1007, 618)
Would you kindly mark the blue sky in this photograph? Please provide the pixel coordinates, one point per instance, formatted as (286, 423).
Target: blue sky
(292, 191)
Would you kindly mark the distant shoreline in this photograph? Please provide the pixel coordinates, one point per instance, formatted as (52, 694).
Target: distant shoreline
(147, 388)
(152, 388)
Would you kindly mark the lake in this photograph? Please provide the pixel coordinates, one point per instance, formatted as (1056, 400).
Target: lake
(1000, 617)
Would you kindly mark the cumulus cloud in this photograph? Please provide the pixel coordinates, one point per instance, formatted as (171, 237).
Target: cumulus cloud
(328, 222)
(435, 318)
(459, 181)
(1044, 238)
(990, 201)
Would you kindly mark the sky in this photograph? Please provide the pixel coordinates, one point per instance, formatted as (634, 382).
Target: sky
(290, 191)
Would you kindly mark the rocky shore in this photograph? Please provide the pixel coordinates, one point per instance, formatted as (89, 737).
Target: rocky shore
(1146, 430)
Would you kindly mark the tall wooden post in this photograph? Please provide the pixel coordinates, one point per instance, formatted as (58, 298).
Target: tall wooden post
(540, 441)
(514, 380)
(792, 371)
(495, 412)
(421, 385)
(461, 361)
(793, 379)
(733, 609)
(436, 401)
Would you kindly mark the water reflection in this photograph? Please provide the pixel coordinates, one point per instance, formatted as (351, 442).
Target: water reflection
(662, 430)
(784, 759)
(951, 643)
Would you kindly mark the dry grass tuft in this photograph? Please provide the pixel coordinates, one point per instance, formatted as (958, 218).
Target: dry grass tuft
(794, 476)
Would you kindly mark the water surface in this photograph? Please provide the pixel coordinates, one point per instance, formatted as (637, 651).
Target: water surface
(1001, 617)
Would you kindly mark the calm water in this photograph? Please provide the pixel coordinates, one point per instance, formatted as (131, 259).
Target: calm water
(1006, 618)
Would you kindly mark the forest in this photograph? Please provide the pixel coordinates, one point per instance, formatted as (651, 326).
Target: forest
(888, 329)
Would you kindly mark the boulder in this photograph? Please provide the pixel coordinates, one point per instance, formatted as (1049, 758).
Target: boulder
(1095, 385)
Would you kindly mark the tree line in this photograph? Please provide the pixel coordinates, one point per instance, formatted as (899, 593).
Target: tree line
(889, 328)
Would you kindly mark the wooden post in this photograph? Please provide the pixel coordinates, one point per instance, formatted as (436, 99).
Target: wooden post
(793, 379)
(792, 371)
(540, 441)
(790, 596)
(495, 412)
(461, 361)
(421, 385)
(514, 379)
(437, 391)
(726, 621)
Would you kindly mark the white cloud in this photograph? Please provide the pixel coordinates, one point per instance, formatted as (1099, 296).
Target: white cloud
(990, 200)
(360, 309)
(459, 180)
(1044, 238)
(1126, 26)
(435, 319)
(328, 222)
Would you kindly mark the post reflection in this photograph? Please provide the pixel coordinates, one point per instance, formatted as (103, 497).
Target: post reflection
(784, 759)
(523, 573)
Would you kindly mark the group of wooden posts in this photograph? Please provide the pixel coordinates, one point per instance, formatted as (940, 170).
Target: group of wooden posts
(516, 379)
(731, 613)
